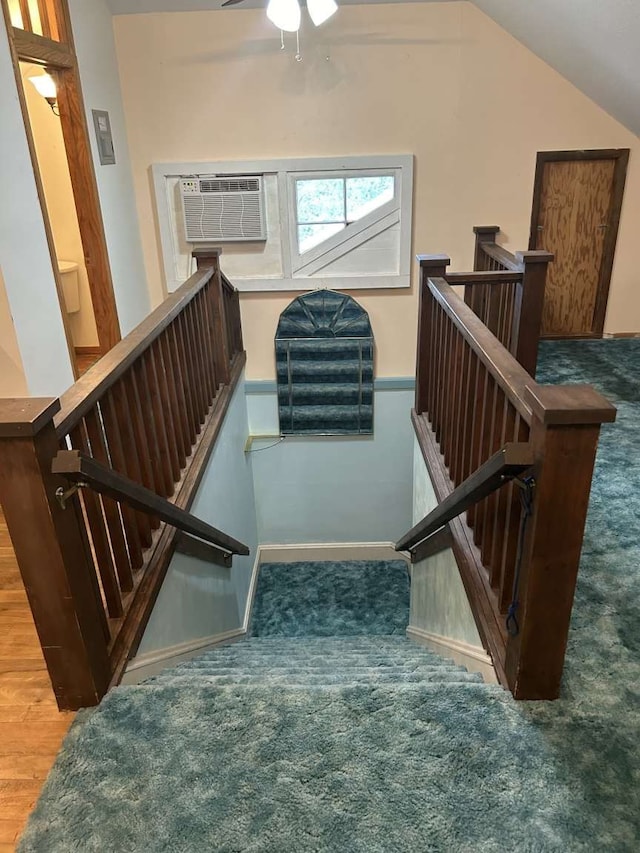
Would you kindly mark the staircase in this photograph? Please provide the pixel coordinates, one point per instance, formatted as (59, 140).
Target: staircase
(326, 730)
(316, 664)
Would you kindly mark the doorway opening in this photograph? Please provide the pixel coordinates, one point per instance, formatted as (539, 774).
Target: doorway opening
(577, 199)
(42, 48)
(76, 302)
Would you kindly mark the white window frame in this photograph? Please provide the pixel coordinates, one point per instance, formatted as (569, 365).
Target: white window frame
(295, 277)
(310, 262)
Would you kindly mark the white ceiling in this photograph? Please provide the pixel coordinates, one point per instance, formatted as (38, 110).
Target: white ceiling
(593, 43)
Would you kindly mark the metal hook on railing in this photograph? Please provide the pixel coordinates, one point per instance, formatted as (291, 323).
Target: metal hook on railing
(526, 486)
(63, 495)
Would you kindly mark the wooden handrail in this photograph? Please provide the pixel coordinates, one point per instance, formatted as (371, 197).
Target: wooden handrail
(145, 418)
(503, 466)
(499, 362)
(472, 398)
(484, 277)
(84, 470)
(80, 398)
(506, 259)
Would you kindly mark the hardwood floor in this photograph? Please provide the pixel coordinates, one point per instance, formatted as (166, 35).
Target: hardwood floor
(31, 727)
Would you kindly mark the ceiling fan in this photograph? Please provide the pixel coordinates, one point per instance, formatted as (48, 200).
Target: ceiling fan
(285, 14)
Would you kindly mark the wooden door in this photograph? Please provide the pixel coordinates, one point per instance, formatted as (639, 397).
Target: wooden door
(576, 208)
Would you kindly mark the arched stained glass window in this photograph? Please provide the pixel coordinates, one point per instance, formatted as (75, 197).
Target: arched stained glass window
(324, 363)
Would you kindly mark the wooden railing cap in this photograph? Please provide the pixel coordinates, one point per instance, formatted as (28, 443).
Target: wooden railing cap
(437, 260)
(22, 416)
(486, 229)
(211, 252)
(537, 256)
(569, 404)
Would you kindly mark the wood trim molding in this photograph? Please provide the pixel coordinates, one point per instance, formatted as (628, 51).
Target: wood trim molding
(464, 654)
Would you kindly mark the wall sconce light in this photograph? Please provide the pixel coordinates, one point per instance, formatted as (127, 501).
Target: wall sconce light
(46, 86)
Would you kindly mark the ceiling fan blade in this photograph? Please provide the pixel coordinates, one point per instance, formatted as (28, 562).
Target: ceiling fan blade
(231, 3)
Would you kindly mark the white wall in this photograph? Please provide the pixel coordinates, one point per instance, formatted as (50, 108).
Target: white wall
(93, 35)
(337, 488)
(439, 604)
(12, 379)
(439, 80)
(198, 599)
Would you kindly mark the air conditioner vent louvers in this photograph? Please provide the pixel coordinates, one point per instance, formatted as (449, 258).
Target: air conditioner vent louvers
(229, 185)
(223, 209)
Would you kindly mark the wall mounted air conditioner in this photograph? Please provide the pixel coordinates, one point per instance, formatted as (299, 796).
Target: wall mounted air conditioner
(223, 209)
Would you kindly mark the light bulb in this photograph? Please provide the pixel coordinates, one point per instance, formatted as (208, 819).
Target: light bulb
(285, 14)
(45, 84)
(321, 10)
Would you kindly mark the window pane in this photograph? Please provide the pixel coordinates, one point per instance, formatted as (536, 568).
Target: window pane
(311, 235)
(320, 200)
(366, 194)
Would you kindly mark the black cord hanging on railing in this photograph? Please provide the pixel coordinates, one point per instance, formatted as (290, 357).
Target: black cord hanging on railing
(526, 486)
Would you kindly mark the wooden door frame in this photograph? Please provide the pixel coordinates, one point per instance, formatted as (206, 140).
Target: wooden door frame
(59, 59)
(621, 157)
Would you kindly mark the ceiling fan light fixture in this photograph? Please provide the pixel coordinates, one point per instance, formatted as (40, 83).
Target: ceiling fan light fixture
(321, 10)
(285, 14)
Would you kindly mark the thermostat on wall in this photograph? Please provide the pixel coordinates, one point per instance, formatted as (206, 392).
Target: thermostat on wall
(103, 135)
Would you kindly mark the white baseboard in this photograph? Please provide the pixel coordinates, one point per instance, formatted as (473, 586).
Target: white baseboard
(145, 665)
(330, 551)
(251, 594)
(473, 658)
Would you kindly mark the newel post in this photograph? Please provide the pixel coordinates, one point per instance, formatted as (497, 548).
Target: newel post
(527, 308)
(564, 437)
(210, 259)
(484, 234)
(431, 266)
(52, 552)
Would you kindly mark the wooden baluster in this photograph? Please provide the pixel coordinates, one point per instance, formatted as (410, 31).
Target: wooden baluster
(177, 406)
(210, 332)
(511, 527)
(239, 344)
(461, 412)
(527, 309)
(454, 395)
(166, 410)
(564, 438)
(471, 372)
(120, 415)
(112, 515)
(439, 317)
(115, 435)
(206, 347)
(494, 557)
(430, 266)
(44, 18)
(144, 431)
(65, 602)
(25, 14)
(495, 443)
(484, 234)
(185, 381)
(192, 369)
(479, 407)
(207, 258)
(154, 419)
(485, 452)
(443, 368)
(99, 535)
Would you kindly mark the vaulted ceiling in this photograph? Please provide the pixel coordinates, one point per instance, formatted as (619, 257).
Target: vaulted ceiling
(593, 43)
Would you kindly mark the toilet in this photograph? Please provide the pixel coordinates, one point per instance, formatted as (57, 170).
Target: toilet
(70, 286)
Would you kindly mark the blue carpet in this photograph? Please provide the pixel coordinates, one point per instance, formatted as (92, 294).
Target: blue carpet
(357, 598)
(298, 741)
